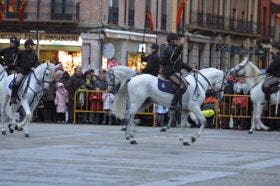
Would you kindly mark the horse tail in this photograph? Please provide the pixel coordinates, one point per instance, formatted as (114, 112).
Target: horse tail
(119, 104)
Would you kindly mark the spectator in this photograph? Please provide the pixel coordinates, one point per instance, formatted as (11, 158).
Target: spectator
(161, 115)
(107, 99)
(208, 108)
(111, 63)
(153, 61)
(48, 100)
(61, 101)
(65, 75)
(226, 102)
(239, 104)
(74, 83)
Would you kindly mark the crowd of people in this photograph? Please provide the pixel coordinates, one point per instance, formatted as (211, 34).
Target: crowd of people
(58, 103)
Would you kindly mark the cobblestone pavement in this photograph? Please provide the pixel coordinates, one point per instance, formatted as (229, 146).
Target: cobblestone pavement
(99, 155)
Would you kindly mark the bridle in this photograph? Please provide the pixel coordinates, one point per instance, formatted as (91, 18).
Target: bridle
(112, 81)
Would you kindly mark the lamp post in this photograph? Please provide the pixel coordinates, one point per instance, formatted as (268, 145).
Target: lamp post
(38, 32)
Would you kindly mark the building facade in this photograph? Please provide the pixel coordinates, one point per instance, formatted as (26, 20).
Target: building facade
(220, 33)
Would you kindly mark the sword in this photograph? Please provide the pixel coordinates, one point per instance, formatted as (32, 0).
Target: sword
(277, 98)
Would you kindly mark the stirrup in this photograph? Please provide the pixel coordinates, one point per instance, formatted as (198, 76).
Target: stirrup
(175, 108)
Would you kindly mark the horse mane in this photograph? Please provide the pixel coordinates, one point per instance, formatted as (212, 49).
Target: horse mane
(254, 71)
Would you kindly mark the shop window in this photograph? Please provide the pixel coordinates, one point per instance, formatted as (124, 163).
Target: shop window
(62, 9)
(12, 9)
(134, 61)
(163, 15)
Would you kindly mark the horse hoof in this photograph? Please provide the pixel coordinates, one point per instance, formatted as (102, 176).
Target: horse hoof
(27, 135)
(18, 128)
(127, 138)
(180, 139)
(10, 128)
(133, 142)
(123, 129)
(268, 129)
(162, 129)
(185, 143)
(250, 132)
(4, 132)
(193, 139)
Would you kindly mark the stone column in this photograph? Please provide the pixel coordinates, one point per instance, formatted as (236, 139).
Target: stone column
(206, 55)
(91, 51)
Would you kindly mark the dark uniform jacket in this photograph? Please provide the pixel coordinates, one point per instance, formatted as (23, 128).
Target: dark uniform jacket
(9, 55)
(74, 84)
(171, 60)
(26, 60)
(274, 67)
(153, 62)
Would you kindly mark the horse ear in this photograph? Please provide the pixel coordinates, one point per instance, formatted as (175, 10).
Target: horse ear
(56, 66)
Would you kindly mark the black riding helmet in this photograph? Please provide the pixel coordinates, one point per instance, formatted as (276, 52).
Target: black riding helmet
(171, 36)
(14, 40)
(28, 42)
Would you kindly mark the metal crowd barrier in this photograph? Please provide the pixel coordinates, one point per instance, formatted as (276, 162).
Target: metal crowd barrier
(90, 101)
(229, 109)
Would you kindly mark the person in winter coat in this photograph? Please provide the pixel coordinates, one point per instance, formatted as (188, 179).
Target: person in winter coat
(172, 63)
(108, 99)
(75, 82)
(61, 101)
(26, 62)
(273, 71)
(153, 61)
(10, 55)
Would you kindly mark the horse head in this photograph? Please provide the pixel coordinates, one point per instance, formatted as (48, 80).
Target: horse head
(117, 75)
(44, 74)
(215, 79)
(240, 69)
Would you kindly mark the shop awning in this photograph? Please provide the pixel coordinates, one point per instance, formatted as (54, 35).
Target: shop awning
(198, 38)
(119, 34)
(266, 45)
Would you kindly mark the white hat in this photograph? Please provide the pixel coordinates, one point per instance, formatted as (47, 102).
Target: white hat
(60, 85)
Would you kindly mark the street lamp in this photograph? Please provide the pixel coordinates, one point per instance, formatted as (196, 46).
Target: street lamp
(38, 32)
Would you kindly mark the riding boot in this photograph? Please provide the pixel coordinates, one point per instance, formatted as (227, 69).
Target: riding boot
(267, 99)
(175, 100)
(14, 95)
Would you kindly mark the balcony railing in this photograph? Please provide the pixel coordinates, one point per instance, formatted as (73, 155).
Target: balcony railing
(113, 15)
(214, 21)
(48, 11)
(131, 17)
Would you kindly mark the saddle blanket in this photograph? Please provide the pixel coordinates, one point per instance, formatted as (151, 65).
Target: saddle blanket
(166, 86)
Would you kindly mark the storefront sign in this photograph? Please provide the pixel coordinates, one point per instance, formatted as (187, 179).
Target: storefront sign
(43, 36)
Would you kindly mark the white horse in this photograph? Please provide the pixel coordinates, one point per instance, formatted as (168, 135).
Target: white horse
(3, 73)
(117, 75)
(254, 78)
(143, 89)
(30, 92)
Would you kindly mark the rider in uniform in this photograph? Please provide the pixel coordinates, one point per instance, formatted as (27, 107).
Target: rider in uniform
(9, 55)
(273, 71)
(153, 61)
(172, 63)
(27, 61)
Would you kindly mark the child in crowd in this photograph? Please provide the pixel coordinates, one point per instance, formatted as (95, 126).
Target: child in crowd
(161, 114)
(61, 101)
(108, 99)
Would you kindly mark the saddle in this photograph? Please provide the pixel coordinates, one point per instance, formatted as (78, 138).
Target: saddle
(270, 89)
(165, 85)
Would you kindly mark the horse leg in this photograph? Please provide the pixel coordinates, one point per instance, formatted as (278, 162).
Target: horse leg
(184, 124)
(28, 117)
(3, 120)
(253, 120)
(201, 119)
(259, 123)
